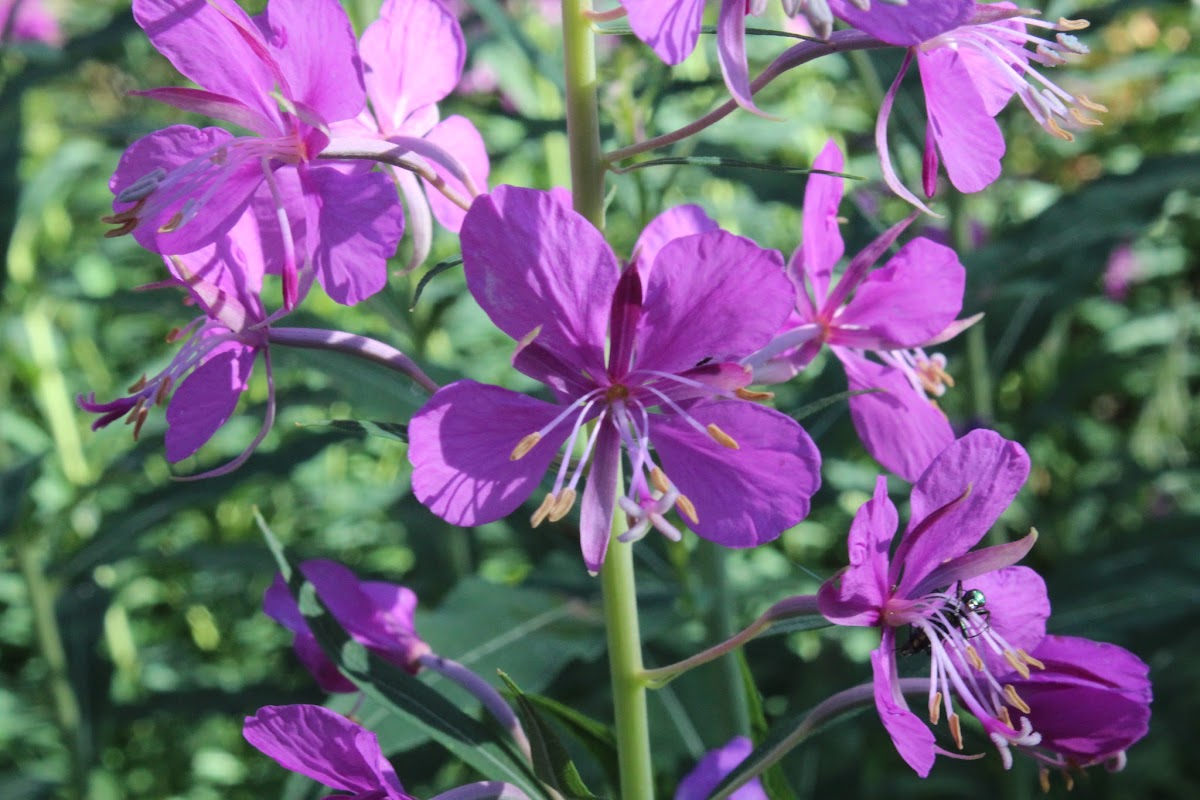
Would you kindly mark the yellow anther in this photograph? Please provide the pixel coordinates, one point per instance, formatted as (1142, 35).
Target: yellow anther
(1078, 116)
(563, 505)
(528, 338)
(658, 479)
(1005, 717)
(750, 394)
(1068, 780)
(1014, 699)
(1090, 105)
(955, 730)
(1044, 780)
(1072, 24)
(1016, 663)
(721, 437)
(543, 511)
(1053, 127)
(974, 658)
(1030, 660)
(686, 508)
(132, 416)
(935, 708)
(172, 224)
(524, 446)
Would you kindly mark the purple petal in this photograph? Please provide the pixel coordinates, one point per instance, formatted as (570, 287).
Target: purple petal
(731, 52)
(353, 224)
(970, 566)
(317, 743)
(206, 399)
(413, 56)
(599, 498)
(821, 246)
(857, 594)
(967, 137)
(670, 27)
(898, 426)
(747, 496)
(712, 769)
(215, 105)
(968, 485)
(533, 264)
(906, 302)
(419, 218)
(279, 605)
(910, 24)
(460, 443)
(323, 671)
(225, 278)
(458, 136)
(712, 295)
(623, 322)
(315, 51)
(1082, 662)
(881, 140)
(1018, 608)
(674, 223)
(914, 741)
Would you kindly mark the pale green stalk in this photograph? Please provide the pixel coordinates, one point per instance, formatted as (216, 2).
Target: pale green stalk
(583, 112)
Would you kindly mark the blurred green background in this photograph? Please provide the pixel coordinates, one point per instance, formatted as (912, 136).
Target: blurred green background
(131, 640)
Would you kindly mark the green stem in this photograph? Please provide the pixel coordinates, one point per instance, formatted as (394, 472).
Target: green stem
(979, 371)
(625, 662)
(731, 700)
(583, 112)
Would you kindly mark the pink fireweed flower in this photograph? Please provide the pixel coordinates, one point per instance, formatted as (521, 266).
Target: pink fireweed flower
(892, 313)
(377, 615)
(672, 27)
(712, 769)
(978, 616)
(285, 74)
(413, 56)
(204, 380)
(28, 21)
(1090, 704)
(968, 75)
(738, 472)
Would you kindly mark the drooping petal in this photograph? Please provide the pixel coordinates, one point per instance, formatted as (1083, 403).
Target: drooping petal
(206, 399)
(905, 303)
(900, 428)
(747, 496)
(857, 594)
(968, 485)
(353, 224)
(881, 140)
(670, 27)
(279, 605)
(711, 296)
(458, 136)
(673, 223)
(211, 104)
(905, 25)
(968, 138)
(599, 497)
(914, 741)
(413, 56)
(460, 445)
(821, 245)
(712, 769)
(418, 217)
(973, 564)
(316, 742)
(731, 52)
(534, 264)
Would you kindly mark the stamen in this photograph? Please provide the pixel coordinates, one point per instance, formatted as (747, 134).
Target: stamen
(750, 394)
(563, 505)
(721, 437)
(955, 729)
(543, 510)
(1016, 663)
(1014, 699)
(1030, 660)
(1073, 24)
(164, 389)
(121, 231)
(935, 708)
(1090, 105)
(138, 385)
(658, 479)
(687, 509)
(1005, 717)
(172, 224)
(524, 446)
(1068, 780)
(1044, 779)
(142, 413)
(974, 658)
(134, 412)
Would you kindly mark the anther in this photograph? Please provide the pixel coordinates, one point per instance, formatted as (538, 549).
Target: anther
(1072, 24)
(543, 510)
(1078, 116)
(1068, 780)
(1016, 663)
(138, 385)
(132, 416)
(173, 335)
(563, 505)
(687, 509)
(1044, 779)
(1030, 660)
(974, 658)
(658, 479)
(1090, 105)
(1056, 129)
(172, 224)
(750, 394)
(721, 437)
(164, 389)
(141, 418)
(121, 231)
(1005, 717)
(935, 708)
(524, 446)
(143, 187)
(1014, 699)
(955, 729)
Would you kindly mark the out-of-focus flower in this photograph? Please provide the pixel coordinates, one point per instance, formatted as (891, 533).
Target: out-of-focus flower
(28, 21)
(285, 74)
(712, 769)
(893, 313)
(978, 616)
(1122, 271)
(739, 473)
(377, 615)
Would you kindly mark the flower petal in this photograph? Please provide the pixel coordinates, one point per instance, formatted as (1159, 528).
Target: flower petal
(317, 743)
(206, 399)
(857, 594)
(821, 245)
(599, 497)
(969, 140)
(534, 264)
(731, 52)
(712, 769)
(914, 741)
(1017, 606)
(675, 222)
(909, 24)
(747, 496)
(460, 445)
(670, 27)
(458, 136)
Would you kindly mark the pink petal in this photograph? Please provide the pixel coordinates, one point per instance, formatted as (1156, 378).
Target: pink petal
(1018, 608)
(910, 24)
(214, 105)
(914, 741)
(857, 594)
(731, 52)
(318, 743)
(599, 498)
(821, 246)
(674, 223)
(967, 137)
(670, 27)
(206, 399)
(459, 137)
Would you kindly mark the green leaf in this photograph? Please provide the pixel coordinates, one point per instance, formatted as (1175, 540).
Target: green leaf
(386, 430)
(433, 272)
(774, 780)
(14, 483)
(825, 402)
(488, 750)
(736, 163)
(551, 762)
(598, 738)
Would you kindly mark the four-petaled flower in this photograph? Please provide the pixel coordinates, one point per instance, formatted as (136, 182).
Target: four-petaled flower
(739, 473)
(977, 615)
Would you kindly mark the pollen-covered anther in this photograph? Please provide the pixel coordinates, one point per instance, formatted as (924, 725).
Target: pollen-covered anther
(543, 510)
(1053, 127)
(955, 729)
(974, 658)
(1044, 779)
(1015, 661)
(142, 413)
(687, 509)
(126, 227)
(164, 389)
(1014, 699)
(1005, 717)
(935, 708)
(564, 504)
(1078, 116)
(1030, 660)
(173, 223)
(750, 394)
(138, 385)
(524, 446)
(1072, 24)
(721, 437)
(1090, 105)
(933, 375)
(658, 479)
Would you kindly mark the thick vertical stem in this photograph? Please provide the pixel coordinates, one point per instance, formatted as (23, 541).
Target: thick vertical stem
(583, 112)
(625, 662)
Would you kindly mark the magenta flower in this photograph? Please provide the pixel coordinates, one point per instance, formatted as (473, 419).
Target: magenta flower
(413, 57)
(285, 74)
(738, 472)
(28, 21)
(977, 615)
(969, 73)
(712, 769)
(893, 313)
(672, 27)
(1089, 705)
(204, 380)
(377, 615)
